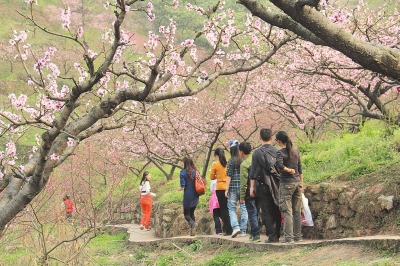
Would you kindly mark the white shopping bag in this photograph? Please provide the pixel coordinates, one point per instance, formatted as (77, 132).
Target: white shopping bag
(306, 217)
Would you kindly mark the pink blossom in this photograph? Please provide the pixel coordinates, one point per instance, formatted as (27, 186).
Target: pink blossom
(64, 89)
(101, 92)
(52, 50)
(153, 61)
(54, 157)
(254, 40)
(175, 4)
(225, 38)
(66, 18)
(153, 125)
(125, 85)
(10, 148)
(175, 56)
(301, 126)
(151, 16)
(80, 32)
(218, 61)
(149, 7)
(12, 42)
(70, 142)
(12, 96)
(189, 42)
(172, 69)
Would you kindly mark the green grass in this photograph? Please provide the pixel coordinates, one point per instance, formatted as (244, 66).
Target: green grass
(106, 246)
(8, 256)
(349, 156)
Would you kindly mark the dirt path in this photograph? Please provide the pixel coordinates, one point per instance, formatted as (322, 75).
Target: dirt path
(381, 242)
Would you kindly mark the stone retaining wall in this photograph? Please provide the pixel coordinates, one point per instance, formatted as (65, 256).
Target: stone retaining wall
(338, 212)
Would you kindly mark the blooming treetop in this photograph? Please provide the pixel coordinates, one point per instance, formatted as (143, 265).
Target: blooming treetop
(110, 85)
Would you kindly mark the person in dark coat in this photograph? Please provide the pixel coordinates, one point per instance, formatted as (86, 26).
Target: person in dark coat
(266, 184)
(190, 196)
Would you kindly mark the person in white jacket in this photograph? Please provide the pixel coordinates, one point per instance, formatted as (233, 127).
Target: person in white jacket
(146, 201)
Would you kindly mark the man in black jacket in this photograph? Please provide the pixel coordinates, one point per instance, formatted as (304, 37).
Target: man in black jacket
(265, 180)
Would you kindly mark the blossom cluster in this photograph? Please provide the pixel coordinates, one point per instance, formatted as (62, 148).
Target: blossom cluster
(66, 18)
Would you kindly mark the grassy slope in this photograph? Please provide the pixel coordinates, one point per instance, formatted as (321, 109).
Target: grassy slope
(199, 253)
(113, 249)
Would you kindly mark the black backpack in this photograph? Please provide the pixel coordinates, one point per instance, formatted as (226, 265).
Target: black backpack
(271, 164)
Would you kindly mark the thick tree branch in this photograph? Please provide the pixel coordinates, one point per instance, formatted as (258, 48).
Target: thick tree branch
(380, 59)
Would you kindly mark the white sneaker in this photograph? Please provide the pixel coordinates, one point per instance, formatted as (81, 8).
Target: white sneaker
(235, 233)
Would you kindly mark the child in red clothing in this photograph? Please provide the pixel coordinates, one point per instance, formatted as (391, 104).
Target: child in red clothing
(69, 206)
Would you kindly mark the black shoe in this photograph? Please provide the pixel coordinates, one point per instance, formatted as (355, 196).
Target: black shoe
(268, 241)
(298, 240)
(227, 234)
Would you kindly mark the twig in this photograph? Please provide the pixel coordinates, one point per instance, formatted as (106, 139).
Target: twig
(182, 250)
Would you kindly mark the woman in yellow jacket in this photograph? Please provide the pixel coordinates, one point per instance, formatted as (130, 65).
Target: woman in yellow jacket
(218, 172)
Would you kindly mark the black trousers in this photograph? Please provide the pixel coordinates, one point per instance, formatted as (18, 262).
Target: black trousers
(217, 222)
(189, 215)
(270, 213)
(223, 205)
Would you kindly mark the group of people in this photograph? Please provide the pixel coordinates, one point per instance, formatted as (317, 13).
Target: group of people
(268, 181)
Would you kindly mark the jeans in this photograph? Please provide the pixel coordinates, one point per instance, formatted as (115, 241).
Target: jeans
(290, 206)
(270, 213)
(233, 198)
(223, 205)
(252, 211)
(217, 222)
(189, 215)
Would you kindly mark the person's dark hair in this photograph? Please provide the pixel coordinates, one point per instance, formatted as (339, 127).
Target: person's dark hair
(245, 147)
(265, 134)
(144, 178)
(283, 137)
(236, 160)
(188, 165)
(67, 196)
(221, 155)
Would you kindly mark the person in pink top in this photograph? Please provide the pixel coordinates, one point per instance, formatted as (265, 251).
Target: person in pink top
(214, 208)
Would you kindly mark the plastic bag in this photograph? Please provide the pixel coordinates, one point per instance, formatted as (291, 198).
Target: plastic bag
(306, 217)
